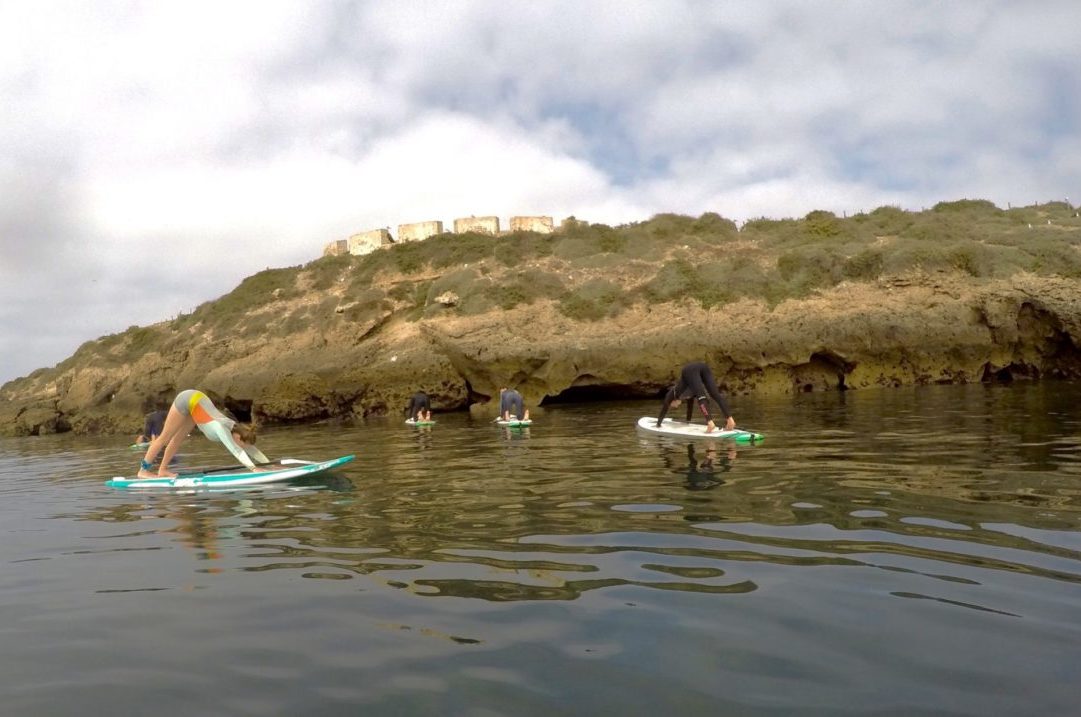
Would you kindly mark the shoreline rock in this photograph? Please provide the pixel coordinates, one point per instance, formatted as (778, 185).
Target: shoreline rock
(922, 329)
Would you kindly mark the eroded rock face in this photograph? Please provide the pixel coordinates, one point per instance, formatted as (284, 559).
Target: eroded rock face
(855, 336)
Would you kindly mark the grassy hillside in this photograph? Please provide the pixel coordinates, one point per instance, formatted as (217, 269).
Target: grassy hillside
(594, 271)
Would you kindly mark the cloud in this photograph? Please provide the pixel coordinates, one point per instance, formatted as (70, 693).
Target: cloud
(153, 155)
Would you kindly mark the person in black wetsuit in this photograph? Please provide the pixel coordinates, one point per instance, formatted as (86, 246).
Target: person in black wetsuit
(420, 407)
(696, 382)
(511, 401)
(152, 426)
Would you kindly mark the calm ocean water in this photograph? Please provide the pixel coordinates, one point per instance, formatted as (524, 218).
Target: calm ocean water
(897, 552)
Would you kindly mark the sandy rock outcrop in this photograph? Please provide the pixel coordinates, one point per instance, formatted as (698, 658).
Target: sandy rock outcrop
(900, 331)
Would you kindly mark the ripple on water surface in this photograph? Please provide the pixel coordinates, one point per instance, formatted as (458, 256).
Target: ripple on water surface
(898, 550)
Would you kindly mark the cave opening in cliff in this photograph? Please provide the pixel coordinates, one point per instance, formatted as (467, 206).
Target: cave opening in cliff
(239, 408)
(601, 392)
(824, 370)
(1009, 373)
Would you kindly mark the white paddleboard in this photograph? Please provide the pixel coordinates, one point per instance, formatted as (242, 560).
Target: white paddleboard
(683, 429)
(284, 469)
(514, 422)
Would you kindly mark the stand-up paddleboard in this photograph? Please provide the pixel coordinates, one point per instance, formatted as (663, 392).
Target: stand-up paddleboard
(682, 429)
(139, 446)
(415, 422)
(515, 423)
(284, 469)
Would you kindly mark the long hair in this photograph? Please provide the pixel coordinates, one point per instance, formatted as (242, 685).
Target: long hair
(246, 431)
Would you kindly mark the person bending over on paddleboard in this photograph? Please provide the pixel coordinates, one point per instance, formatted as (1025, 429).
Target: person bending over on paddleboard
(420, 407)
(696, 382)
(192, 408)
(152, 426)
(510, 400)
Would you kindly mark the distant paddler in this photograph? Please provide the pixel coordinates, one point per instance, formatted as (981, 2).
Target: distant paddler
(510, 403)
(419, 408)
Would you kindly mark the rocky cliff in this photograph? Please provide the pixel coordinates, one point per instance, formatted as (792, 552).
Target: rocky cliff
(347, 337)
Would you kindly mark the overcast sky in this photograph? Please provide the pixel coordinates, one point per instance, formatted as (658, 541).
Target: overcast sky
(153, 154)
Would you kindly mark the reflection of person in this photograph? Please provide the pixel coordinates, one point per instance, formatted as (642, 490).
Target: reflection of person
(199, 531)
(696, 382)
(511, 401)
(192, 408)
(152, 426)
(420, 407)
(702, 474)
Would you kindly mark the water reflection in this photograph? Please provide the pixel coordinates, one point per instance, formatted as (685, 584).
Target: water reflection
(445, 510)
(929, 519)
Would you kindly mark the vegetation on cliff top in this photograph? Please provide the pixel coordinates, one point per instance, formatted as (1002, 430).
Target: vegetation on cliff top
(594, 271)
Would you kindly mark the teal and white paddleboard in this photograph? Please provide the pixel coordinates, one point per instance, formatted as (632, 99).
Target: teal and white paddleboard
(514, 422)
(282, 470)
(415, 422)
(139, 446)
(682, 429)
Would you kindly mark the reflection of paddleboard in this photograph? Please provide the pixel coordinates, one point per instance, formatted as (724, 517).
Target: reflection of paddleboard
(234, 476)
(695, 430)
(514, 422)
(415, 422)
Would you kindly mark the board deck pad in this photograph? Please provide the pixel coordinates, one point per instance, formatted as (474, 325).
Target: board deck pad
(282, 470)
(671, 427)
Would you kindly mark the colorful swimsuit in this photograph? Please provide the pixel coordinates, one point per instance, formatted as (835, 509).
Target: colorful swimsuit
(215, 425)
(196, 404)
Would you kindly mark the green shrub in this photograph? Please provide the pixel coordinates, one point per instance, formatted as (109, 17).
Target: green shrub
(323, 273)
(972, 207)
(888, 220)
(808, 268)
(665, 226)
(820, 223)
(914, 255)
(582, 240)
(592, 301)
(715, 226)
(447, 250)
(864, 266)
(253, 292)
(672, 282)
(942, 228)
(971, 258)
(1054, 257)
(740, 276)
(408, 257)
(519, 247)
(524, 287)
(462, 282)
(142, 340)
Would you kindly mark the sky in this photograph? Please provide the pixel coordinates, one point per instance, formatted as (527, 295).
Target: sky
(153, 154)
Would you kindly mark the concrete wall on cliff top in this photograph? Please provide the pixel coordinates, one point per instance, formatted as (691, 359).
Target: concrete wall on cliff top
(336, 248)
(483, 225)
(540, 225)
(419, 231)
(367, 242)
